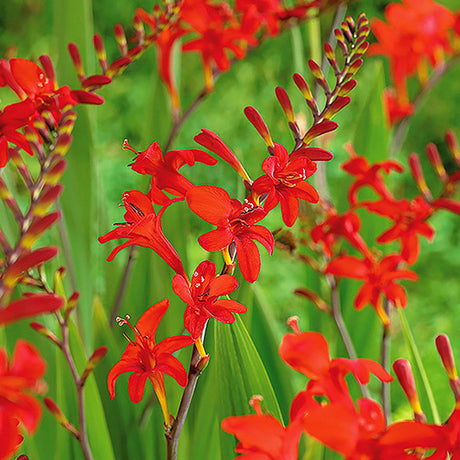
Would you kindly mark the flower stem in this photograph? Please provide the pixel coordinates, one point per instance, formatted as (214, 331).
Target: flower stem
(341, 326)
(413, 350)
(403, 126)
(385, 361)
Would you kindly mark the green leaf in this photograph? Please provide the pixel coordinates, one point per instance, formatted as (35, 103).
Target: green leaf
(238, 373)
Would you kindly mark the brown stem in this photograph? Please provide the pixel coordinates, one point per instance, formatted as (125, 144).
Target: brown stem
(385, 361)
(403, 126)
(173, 435)
(341, 326)
(83, 437)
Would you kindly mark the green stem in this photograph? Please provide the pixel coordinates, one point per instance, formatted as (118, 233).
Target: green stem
(413, 350)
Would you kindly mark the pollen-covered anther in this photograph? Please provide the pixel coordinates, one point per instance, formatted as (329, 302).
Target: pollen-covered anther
(122, 321)
(255, 403)
(293, 323)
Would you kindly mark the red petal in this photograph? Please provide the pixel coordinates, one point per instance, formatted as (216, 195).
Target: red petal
(211, 203)
(170, 365)
(348, 267)
(136, 386)
(216, 240)
(29, 75)
(172, 344)
(149, 321)
(223, 285)
(182, 289)
(248, 259)
(307, 353)
(335, 426)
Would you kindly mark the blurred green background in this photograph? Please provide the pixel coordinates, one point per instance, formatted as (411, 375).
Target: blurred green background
(136, 108)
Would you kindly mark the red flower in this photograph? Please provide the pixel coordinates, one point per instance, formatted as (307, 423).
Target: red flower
(219, 33)
(284, 182)
(164, 169)
(346, 225)
(202, 298)
(367, 174)
(13, 117)
(143, 228)
(409, 221)
(416, 31)
(146, 359)
(262, 436)
(397, 106)
(38, 88)
(165, 42)
(308, 353)
(257, 13)
(235, 224)
(378, 277)
(18, 378)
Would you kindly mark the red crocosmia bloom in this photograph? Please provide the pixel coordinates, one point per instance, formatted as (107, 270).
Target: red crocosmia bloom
(347, 431)
(409, 221)
(19, 377)
(261, 13)
(367, 174)
(235, 224)
(40, 89)
(308, 353)
(346, 225)
(284, 183)
(218, 32)
(416, 32)
(143, 228)
(164, 42)
(164, 169)
(202, 298)
(146, 359)
(262, 436)
(396, 107)
(13, 117)
(379, 280)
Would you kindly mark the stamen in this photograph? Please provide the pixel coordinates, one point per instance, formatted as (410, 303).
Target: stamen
(293, 323)
(136, 209)
(255, 402)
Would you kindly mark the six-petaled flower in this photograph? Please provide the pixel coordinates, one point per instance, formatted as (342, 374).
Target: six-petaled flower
(147, 360)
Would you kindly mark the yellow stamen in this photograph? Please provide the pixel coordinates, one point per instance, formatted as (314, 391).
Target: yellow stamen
(227, 258)
(200, 347)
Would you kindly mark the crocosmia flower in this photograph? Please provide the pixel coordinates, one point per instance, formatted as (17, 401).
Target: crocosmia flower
(19, 377)
(378, 278)
(202, 298)
(308, 353)
(164, 169)
(143, 228)
(146, 359)
(262, 436)
(235, 224)
(284, 183)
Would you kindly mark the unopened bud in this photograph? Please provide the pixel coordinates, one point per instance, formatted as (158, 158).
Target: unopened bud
(405, 377)
(57, 413)
(93, 361)
(257, 121)
(100, 52)
(76, 59)
(417, 174)
(445, 352)
(121, 39)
